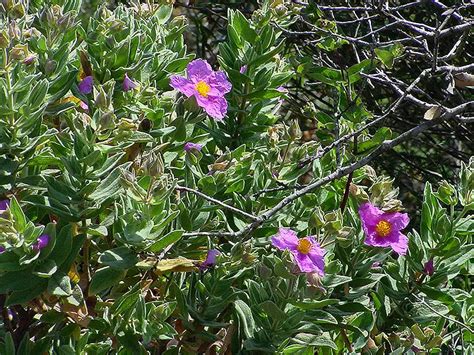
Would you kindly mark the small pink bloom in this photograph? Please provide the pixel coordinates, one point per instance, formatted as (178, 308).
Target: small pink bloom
(243, 69)
(30, 59)
(86, 84)
(206, 85)
(210, 261)
(429, 267)
(382, 229)
(41, 242)
(2, 249)
(84, 106)
(128, 84)
(307, 253)
(190, 146)
(282, 89)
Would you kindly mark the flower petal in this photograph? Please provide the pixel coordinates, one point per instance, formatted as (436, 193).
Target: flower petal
(183, 85)
(397, 220)
(369, 215)
(219, 82)
(304, 262)
(198, 70)
(400, 246)
(86, 84)
(215, 106)
(285, 239)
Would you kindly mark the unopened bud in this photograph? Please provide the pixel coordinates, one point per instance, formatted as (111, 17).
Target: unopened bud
(107, 120)
(4, 39)
(153, 164)
(281, 10)
(14, 31)
(30, 59)
(178, 21)
(50, 66)
(31, 33)
(19, 52)
(18, 11)
(295, 131)
(101, 99)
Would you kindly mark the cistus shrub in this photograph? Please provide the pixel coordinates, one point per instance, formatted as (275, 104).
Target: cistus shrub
(156, 202)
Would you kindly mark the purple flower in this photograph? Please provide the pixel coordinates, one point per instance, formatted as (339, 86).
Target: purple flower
(190, 146)
(210, 259)
(282, 89)
(429, 267)
(4, 204)
(128, 84)
(206, 85)
(41, 242)
(2, 249)
(307, 252)
(85, 86)
(382, 229)
(243, 69)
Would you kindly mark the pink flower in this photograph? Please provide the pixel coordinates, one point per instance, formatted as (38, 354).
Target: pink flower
(382, 229)
(307, 253)
(210, 261)
(190, 146)
(243, 69)
(41, 242)
(429, 267)
(86, 84)
(206, 85)
(2, 249)
(84, 106)
(128, 84)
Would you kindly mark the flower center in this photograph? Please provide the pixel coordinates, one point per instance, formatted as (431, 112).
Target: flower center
(202, 88)
(383, 228)
(304, 246)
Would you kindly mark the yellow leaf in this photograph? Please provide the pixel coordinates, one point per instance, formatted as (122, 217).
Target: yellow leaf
(175, 265)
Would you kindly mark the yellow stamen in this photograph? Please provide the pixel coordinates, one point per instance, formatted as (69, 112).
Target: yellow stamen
(304, 246)
(202, 88)
(383, 228)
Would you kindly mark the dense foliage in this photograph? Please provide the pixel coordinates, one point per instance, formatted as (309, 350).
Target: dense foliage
(152, 203)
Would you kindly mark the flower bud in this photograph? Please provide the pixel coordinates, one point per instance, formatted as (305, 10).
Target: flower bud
(101, 99)
(179, 21)
(18, 11)
(447, 193)
(30, 59)
(19, 52)
(294, 131)
(153, 164)
(50, 66)
(14, 31)
(4, 39)
(31, 33)
(107, 120)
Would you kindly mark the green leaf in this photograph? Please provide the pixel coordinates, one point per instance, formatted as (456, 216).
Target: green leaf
(119, 258)
(60, 285)
(46, 269)
(165, 241)
(244, 314)
(105, 278)
(18, 215)
(315, 340)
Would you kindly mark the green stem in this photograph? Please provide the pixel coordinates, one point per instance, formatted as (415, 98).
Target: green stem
(11, 103)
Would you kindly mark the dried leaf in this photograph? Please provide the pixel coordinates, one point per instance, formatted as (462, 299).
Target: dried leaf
(175, 265)
(433, 113)
(463, 80)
